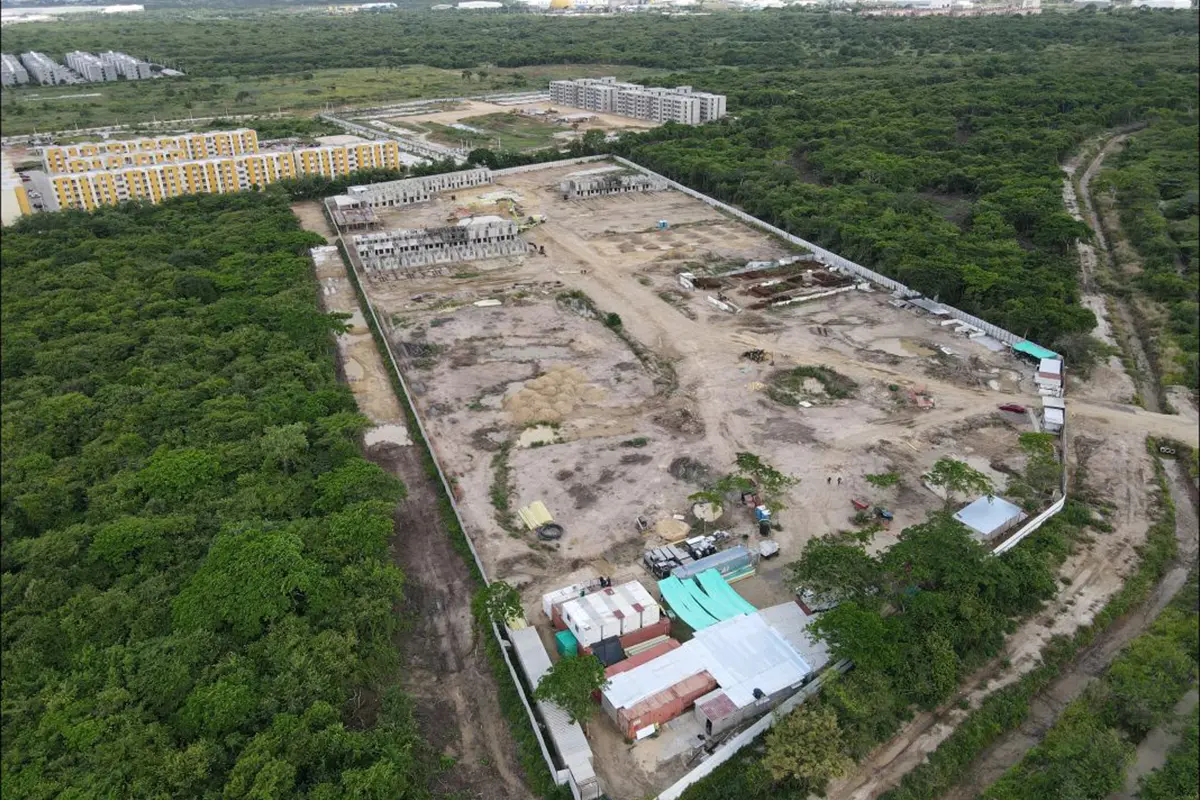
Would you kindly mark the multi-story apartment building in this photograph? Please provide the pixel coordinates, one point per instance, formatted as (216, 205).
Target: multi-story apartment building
(236, 171)
(414, 190)
(88, 156)
(91, 68)
(12, 72)
(45, 70)
(655, 103)
(14, 200)
(127, 66)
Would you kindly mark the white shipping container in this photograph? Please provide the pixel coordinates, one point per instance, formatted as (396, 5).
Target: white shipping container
(615, 611)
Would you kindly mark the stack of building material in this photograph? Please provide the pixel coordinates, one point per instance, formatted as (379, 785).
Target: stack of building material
(726, 562)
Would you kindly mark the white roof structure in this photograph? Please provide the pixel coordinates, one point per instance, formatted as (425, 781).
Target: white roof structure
(742, 654)
(1053, 402)
(989, 515)
(568, 736)
(614, 611)
(790, 622)
(1050, 366)
(1054, 416)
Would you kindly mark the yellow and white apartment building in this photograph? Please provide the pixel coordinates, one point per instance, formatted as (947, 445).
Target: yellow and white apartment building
(89, 175)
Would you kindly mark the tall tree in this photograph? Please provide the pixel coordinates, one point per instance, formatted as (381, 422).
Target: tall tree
(955, 477)
(571, 683)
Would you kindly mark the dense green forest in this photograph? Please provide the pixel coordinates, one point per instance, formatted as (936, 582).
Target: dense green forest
(1156, 183)
(927, 149)
(195, 578)
(259, 44)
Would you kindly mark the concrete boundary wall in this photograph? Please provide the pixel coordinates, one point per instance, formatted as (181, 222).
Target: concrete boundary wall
(727, 750)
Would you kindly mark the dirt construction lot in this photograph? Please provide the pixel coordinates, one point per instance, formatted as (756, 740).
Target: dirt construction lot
(590, 378)
(537, 398)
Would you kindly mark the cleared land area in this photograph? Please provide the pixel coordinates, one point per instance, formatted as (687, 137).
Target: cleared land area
(479, 123)
(539, 393)
(39, 108)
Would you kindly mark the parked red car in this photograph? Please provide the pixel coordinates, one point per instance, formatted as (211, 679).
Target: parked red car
(1013, 407)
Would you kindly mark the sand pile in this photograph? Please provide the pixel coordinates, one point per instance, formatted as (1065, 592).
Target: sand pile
(552, 396)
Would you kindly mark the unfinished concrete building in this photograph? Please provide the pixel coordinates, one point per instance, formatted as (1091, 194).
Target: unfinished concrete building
(415, 190)
(598, 183)
(418, 249)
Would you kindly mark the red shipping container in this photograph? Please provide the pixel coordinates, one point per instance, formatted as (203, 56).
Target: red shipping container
(666, 705)
(641, 658)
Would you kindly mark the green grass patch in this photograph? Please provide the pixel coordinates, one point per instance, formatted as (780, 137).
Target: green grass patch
(790, 386)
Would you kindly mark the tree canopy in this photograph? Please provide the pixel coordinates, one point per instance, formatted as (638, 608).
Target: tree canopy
(195, 569)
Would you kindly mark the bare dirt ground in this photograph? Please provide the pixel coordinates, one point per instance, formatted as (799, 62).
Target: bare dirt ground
(476, 108)
(1094, 660)
(444, 668)
(1109, 380)
(532, 397)
(483, 373)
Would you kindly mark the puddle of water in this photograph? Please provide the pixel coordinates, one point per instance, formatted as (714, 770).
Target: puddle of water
(538, 434)
(390, 433)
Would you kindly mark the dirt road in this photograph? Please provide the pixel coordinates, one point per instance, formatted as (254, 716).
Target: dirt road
(1110, 381)
(1093, 661)
(444, 668)
(1147, 378)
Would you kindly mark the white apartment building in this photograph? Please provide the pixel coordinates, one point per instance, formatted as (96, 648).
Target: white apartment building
(91, 68)
(12, 73)
(128, 67)
(654, 103)
(45, 70)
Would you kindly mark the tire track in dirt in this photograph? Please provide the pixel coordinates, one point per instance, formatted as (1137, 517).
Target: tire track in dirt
(1149, 386)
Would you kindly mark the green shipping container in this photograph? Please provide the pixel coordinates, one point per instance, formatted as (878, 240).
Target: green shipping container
(568, 646)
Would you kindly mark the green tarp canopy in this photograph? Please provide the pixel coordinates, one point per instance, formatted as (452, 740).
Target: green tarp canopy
(1035, 350)
(704, 600)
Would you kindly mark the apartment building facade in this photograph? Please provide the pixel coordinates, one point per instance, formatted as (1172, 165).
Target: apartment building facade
(415, 190)
(12, 71)
(91, 175)
(91, 68)
(88, 156)
(126, 66)
(45, 70)
(419, 248)
(655, 103)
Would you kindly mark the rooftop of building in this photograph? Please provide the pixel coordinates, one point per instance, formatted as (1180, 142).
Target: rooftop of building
(988, 515)
(742, 654)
